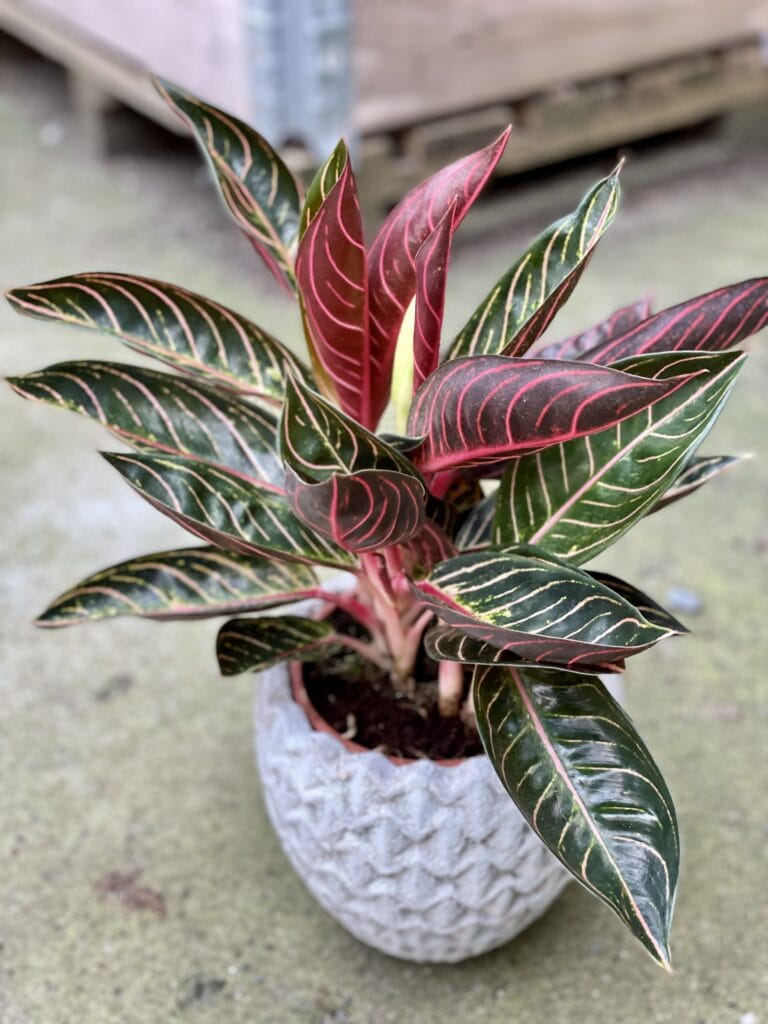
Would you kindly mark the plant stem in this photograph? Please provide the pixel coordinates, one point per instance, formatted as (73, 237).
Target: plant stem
(450, 687)
(367, 650)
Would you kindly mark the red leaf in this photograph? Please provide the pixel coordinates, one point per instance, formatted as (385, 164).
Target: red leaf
(392, 258)
(364, 511)
(331, 272)
(709, 323)
(617, 324)
(431, 277)
(484, 408)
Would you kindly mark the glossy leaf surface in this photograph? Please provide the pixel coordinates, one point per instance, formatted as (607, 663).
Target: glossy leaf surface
(572, 761)
(260, 192)
(322, 184)
(485, 408)
(521, 304)
(193, 334)
(443, 643)
(577, 498)
(251, 645)
(250, 518)
(533, 604)
(159, 410)
(189, 583)
(618, 323)
(363, 511)
(712, 322)
(318, 441)
(431, 281)
(392, 257)
(330, 269)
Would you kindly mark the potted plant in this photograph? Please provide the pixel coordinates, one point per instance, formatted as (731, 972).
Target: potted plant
(460, 657)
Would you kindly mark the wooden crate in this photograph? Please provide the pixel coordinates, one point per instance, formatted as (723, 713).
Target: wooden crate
(418, 61)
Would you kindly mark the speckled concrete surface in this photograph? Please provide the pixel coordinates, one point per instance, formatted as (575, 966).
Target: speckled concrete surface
(126, 761)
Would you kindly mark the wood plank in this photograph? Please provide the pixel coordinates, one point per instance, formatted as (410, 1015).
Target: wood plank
(415, 61)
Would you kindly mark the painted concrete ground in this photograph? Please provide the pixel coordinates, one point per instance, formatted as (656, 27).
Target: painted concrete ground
(126, 761)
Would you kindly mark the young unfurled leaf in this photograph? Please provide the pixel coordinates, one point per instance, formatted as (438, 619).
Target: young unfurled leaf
(331, 272)
(431, 280)
(484, 408)
(526, 601)
(191, 333)
(577, 498)
(251, 518)
(444, 643)
(391, 263)
(521, 304)
(150, 409)
(251, 645)
(364, 511)
(260, 192)
(710, 323)
(189, 583)
(696, 473)
(614, 326)
(572, 761)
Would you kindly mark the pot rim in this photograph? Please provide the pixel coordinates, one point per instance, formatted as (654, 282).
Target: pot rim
(319, 724)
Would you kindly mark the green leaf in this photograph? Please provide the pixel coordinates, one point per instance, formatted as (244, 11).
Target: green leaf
(318, 441)
(252, 518)
(529, 602)
(573, 763)
(443, 643)
(577, 498)
(193, 334)
(322, 184)
(521, 304)
(260, 192)
(190, 583)
(251, 645)
(150, 409)
(697, 472)
(476, 531)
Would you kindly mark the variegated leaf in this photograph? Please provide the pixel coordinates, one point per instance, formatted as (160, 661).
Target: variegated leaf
(710, 323)
(533, 604)
(577, 498)
(614, 326)
(391, 263)
(193, 334)
(485, 408)
(331, 273)
(251, 645)
(521, 304)
(364, 511)
(260, 192)
(191, 583)
(698, 471)
(425, 549)
(318, 441)
(150, 409)
(572, 761)
(431, 280)
(476, 531)
(443, 643)
(322, 184)
(252, 518)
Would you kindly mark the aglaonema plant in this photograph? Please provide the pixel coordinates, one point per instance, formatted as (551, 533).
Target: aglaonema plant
(465, 519)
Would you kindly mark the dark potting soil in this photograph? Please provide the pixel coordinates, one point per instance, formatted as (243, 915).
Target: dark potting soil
(360, 702)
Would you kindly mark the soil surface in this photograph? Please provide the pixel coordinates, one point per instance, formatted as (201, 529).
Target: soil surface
(362, 704)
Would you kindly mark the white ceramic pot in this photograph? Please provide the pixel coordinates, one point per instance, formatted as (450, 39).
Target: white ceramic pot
(421, 860)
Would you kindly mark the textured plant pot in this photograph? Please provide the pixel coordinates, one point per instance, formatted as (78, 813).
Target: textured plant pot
(421, 860)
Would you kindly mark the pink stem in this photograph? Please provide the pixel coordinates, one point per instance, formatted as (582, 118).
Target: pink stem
(450, 687)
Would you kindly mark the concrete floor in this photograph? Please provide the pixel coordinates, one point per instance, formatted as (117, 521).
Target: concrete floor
(124, 752)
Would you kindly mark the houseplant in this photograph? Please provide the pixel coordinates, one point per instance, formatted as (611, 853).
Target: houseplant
(277, 467)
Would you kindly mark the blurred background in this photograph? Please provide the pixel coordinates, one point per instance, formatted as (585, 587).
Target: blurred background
(123, 755)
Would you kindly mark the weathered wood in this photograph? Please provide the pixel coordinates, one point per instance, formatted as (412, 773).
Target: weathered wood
(416, 61)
